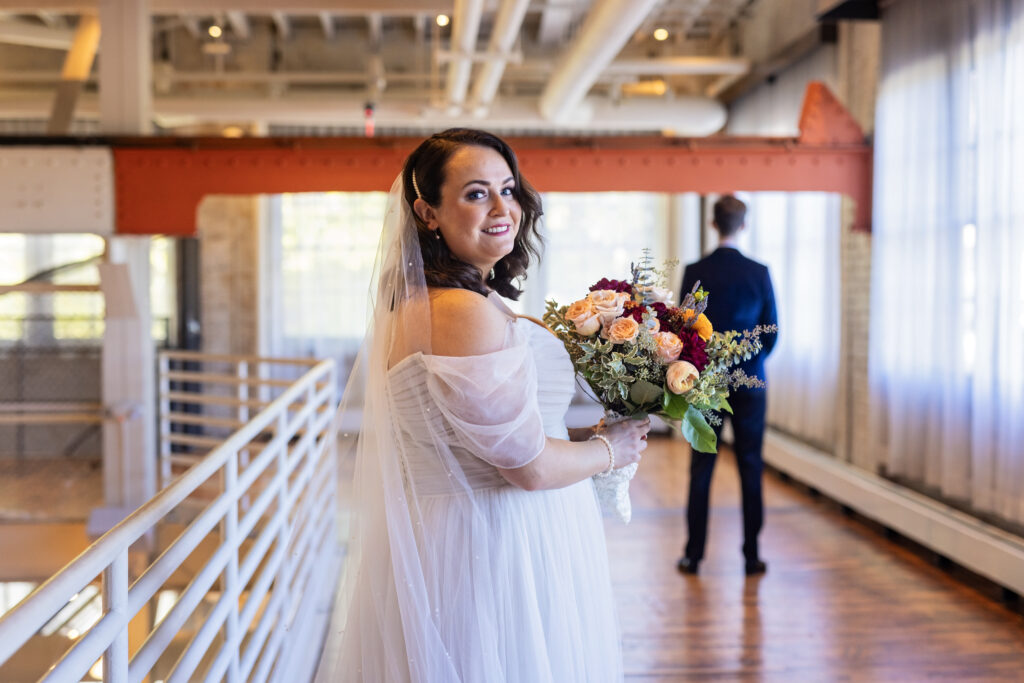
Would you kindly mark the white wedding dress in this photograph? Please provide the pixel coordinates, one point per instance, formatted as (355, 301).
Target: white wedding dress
(505, 584)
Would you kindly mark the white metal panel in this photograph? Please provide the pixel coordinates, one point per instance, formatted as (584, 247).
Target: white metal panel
(968, 541)
(56, 189)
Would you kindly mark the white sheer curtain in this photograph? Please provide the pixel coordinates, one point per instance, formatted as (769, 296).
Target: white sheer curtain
(947, 369)
(321, 249)
(797, 235)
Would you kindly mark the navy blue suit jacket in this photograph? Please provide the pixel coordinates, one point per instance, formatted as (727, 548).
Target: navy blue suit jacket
(740, 297)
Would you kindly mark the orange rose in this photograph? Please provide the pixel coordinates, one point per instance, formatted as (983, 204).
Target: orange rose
(681, 376)
(702, 325)
(622, 330)
(584, 317)
(669, 346)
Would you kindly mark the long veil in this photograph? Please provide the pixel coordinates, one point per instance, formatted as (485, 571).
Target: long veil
(451, 574)
(432, 431)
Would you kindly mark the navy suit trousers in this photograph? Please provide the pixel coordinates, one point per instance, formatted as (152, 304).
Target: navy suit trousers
(748, 432)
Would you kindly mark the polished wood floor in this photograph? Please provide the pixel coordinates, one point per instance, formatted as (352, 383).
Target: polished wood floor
(840, 602)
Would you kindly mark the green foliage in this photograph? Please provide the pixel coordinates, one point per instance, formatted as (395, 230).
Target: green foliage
(698, 432)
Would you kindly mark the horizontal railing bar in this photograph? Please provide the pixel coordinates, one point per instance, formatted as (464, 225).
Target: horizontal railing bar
(215, 378)
(49, 406)
(86, 650)
(187, 397)
(187, 459)
(51, 418)
(273, 644)
(262, 583)
(259, 637)
(194, 419)
(258, 551)
(254, 514)
(175, 354)
(191, 440)
(162, 635)
(193, 653)
(146, 586)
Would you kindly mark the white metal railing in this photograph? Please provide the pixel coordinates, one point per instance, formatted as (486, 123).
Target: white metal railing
(269, 570)
(204, 397)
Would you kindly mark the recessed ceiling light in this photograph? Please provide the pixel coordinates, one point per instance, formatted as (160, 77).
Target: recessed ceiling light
(443, 19)
(215, 31)
(660, 34)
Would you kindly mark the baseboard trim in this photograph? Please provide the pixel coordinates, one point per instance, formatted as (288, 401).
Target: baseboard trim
(982, 548)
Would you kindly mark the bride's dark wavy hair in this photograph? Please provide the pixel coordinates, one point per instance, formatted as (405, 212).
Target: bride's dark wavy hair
(441, 268)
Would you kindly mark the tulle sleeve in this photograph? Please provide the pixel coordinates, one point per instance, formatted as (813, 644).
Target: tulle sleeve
(490, 404)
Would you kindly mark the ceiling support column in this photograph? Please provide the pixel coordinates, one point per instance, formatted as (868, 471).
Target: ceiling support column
(129, 432)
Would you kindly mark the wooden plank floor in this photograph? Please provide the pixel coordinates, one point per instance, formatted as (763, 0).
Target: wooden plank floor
(839, 602)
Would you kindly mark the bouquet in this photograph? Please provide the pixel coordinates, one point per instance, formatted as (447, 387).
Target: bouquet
(640, 355)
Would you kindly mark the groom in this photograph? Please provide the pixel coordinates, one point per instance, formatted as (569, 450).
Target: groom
(740, 298)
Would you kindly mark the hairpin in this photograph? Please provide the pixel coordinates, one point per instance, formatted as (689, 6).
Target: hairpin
(415, 186)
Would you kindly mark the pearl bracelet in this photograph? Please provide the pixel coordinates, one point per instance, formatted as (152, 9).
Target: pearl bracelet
(611, 454)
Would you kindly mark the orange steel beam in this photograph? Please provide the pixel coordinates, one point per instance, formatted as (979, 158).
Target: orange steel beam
(160, 182)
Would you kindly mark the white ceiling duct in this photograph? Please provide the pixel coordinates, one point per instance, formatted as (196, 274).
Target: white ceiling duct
(465, 28)
(608, 27)
(679, 66)
(507, 24)
(17, 32)
(684, 116)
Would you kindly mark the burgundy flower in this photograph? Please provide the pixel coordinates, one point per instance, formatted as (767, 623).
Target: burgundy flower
(661, 312)
(693, 349)
(614, 285)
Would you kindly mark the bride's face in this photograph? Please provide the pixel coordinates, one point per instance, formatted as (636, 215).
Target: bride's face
(478, 215)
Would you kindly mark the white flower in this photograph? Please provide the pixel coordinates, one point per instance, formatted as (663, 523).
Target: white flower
(660, 295)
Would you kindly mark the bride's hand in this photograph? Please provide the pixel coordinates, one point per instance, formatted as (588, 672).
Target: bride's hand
(628, 438)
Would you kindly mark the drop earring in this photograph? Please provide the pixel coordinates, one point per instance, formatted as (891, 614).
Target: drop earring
(437, 234)
(492, 274)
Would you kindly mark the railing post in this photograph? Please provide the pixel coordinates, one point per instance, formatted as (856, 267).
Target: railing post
(243, 414)
(115, 603)
(165, 421)
(230, 585)
(284, 574)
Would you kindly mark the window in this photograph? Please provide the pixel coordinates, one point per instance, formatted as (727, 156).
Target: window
(322, 251)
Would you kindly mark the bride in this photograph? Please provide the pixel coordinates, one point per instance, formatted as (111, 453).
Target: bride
(476, 548)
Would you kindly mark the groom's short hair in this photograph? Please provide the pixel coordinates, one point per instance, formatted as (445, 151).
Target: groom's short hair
(730, 214)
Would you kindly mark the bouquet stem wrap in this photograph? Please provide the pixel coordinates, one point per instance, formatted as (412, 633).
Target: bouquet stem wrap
(613, 488)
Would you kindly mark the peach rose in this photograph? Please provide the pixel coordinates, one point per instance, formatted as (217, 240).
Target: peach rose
(584, 317)
(622, 330)
(609, 304)
(681, 376)
(669, 346)
(702, 325)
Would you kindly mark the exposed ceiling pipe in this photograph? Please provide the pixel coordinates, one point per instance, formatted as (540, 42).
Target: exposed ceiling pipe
(17, 32)
(684, 116)
(465, 29)
(77, 65)
(608, 27)
(507, 24)
(239, 24)
(554, 23)
(679, 66)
